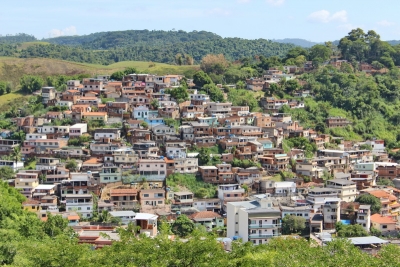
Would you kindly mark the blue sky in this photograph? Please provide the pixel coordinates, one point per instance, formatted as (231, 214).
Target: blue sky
(314, 20)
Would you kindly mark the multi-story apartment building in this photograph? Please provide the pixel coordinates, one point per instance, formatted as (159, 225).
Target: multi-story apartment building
(124, 199)
(15, 165)
(26, 186)
(45, 145)
(43, 163)
(209, 174)
(347, 189)
(186, 165)
(110, 174)
(57, 175)
(230, 193)
(110, 133)
(253, 221)
(104, 147)
(153, 170)
(125, 156)
(318, 196)
(152, 198)
(364, 217)
(333, 122)
(331, 213)
(48, 93)
(218, 108)
(7, 145)
(225, 174)
(78, 184)
(82, 203)
(299, 211)
(274, 163)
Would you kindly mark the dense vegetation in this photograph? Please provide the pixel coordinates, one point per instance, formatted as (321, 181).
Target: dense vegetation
(142, 45)
(17, 38)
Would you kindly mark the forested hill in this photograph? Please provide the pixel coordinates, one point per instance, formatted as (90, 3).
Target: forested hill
(296, 41)
(17, 38)
(157, 46)
(121, 39)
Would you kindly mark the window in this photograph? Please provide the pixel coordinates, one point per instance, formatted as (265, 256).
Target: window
(160, 202)
(384, 226)
(146, 195)
(88, 208)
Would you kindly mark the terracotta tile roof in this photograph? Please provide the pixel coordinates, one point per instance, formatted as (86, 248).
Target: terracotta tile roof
(377, 218)
(73, 217)
(92, 161)
(94, 113)
(123, 192)
(379, 194)
(205, 215)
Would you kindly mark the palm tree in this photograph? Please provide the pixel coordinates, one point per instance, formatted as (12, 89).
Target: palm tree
(105, 217)
(16, 154)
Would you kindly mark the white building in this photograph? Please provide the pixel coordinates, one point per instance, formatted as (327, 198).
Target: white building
(347, 189)
(364, 217)
(254, 221)
(34, 136)
(12, 164)
(299, 211)
(78, 129)
(284, 188)
(81, 203)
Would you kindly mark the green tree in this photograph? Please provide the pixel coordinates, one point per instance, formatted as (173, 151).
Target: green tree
(204, 156)
(72, 165)
(55, 225)
(16, 154)
(180, 93)
(201, 193)
(321, 52)
(31, 83)
(6, 173)
(375, 232)
(105, 217)
(355, 230)
(201, 78)
(144, 124)
(370, 200)
(183, 226)
(118, 75)
(385, 181)
(293, 224)
(154, 103)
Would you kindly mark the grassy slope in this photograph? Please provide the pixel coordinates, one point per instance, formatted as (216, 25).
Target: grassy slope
(12, 69)
(28, 44)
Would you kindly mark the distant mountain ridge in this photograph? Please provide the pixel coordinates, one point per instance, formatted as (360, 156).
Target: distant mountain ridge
(296, 41)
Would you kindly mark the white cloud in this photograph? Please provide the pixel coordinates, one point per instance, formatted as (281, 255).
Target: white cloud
(275, 2)
(385, 23)
(71, 30)
(324, 16)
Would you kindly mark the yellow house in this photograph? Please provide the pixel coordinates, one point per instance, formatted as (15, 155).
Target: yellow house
(383, 223)
(32, 205)
(26, 186)
(94, 116)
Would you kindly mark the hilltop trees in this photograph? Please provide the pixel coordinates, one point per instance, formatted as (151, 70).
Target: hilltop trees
(31, 83)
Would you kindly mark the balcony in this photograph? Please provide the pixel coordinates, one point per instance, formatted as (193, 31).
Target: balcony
(253, 236)
(264, 226)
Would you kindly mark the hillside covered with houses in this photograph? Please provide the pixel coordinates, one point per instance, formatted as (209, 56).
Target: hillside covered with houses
(304, 150)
